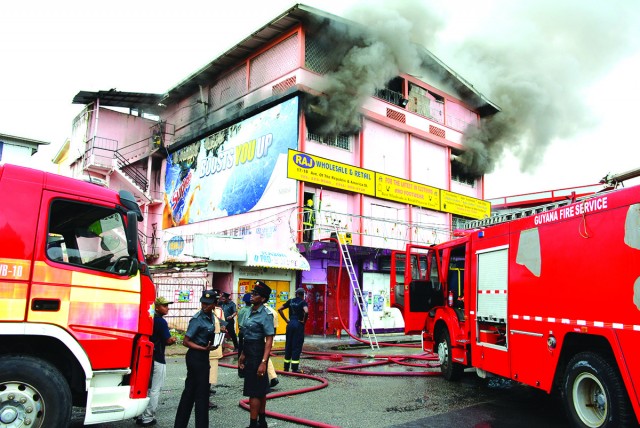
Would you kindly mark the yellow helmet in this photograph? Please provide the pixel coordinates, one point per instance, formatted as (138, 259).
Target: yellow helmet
(310, 202)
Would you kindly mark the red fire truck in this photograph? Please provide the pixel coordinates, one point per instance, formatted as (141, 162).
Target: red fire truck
(551, 300)
(76, 302)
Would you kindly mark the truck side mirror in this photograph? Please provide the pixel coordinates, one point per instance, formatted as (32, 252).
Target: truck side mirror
(132, 234)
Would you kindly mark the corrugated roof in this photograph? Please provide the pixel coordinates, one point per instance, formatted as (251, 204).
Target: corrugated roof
(282, 24)
(113, 98)
(17, 139)
(276, 28)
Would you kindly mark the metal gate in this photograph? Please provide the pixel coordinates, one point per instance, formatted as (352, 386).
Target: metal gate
(184, 291)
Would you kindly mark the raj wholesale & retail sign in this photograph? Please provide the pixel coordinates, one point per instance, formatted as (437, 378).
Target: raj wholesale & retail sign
(324, 172)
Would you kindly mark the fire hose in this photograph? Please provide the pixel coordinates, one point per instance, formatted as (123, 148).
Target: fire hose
(430, 360)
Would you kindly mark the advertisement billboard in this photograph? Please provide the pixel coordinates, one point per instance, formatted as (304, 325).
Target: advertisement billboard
(236, 170)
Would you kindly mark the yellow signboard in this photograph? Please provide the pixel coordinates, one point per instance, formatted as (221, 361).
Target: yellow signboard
(325, 172)
(407, 192)
(466, 206)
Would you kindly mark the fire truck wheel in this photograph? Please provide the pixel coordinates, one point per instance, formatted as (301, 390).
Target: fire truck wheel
(33, 393)
(449, 369)
(594, 394)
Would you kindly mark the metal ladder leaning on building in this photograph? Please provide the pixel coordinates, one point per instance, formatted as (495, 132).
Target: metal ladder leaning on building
(366, 326)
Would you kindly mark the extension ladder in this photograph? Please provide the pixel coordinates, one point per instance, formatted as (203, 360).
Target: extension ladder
(366, 326)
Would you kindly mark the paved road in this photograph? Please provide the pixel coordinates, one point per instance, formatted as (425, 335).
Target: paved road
(409, 401)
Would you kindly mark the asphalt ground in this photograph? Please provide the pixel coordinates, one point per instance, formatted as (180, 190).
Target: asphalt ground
(403, 393)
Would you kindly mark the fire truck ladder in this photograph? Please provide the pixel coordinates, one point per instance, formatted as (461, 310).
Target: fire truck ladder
(525, 212)
(366, 326)
(610, 182)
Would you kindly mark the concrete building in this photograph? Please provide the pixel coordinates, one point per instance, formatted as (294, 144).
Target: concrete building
(18, 150)
(309, 110)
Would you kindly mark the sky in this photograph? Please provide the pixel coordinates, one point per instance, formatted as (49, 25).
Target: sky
(565, 74)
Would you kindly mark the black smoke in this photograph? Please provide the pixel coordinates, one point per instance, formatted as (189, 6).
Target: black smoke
(534, 59)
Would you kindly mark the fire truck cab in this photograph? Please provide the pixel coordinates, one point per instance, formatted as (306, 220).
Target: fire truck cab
(551, 300)
(76, 302)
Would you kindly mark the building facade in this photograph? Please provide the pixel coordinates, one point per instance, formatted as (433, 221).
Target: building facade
(18, 150)
(276, 159)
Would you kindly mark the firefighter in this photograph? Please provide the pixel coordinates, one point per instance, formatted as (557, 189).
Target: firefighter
(308, 221)
(298, 314)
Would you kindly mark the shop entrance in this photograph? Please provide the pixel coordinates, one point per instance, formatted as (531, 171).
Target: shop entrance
(316, 298)
(343, 300)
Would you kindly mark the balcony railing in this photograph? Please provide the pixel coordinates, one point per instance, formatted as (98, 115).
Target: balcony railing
(99, 153)
(132, 172)
(393, 97)
(103, 153)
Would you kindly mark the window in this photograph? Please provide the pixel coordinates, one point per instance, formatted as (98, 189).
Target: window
(458, 222)
(426, 103)
(340, 141)
(90, 236)
(460, 174)
(392, 92)
(433, 272)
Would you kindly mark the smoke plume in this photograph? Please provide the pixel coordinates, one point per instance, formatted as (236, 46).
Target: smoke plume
(534, 59)
(362, 60)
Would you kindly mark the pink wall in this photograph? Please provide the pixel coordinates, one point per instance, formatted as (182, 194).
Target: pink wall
(124, 128)
(458, 116)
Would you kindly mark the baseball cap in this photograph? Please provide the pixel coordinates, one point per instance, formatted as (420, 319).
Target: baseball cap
(162, 301)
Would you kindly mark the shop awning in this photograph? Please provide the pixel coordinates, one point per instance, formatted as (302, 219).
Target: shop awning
(219, 248)
(224, 248)
(282, 259)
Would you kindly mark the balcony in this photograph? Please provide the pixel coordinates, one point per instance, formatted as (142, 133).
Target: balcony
(102, 156)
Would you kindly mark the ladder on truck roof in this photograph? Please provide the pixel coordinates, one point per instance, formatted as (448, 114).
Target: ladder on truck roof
(525, 212)
(366, 325)
(610, 182)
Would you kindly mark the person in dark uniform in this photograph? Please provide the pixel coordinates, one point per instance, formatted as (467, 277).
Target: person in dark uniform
(230, 312)
(258, 332)
(199, 339)
(243, 312)
(298, 313)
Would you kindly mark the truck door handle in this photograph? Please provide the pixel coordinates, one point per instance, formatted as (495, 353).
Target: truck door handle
(49, 305)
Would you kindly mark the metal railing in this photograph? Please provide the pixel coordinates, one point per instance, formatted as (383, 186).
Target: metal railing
(99, 152)
(390, 96)
(137, 150)
(103, 153)
(132, 172)
(149, 244)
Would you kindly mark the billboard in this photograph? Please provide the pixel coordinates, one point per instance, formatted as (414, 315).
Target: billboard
(236, 170)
